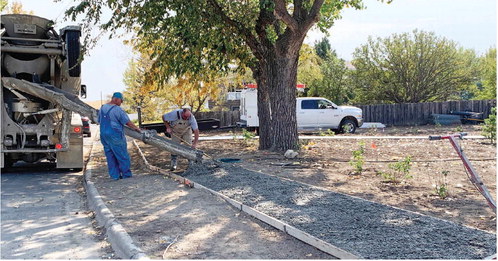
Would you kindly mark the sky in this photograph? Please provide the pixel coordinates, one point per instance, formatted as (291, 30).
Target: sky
(470, 23)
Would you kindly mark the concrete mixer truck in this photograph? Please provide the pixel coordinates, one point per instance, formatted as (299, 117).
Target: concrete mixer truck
(34, 128)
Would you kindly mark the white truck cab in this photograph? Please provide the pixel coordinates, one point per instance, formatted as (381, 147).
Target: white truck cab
(312, 113)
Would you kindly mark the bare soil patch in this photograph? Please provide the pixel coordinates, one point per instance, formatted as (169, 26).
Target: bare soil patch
(325, 163)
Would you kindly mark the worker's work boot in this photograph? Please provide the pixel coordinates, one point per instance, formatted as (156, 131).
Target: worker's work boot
(173, 164)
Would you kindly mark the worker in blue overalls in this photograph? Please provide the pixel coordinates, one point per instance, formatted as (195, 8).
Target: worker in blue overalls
(112, 119)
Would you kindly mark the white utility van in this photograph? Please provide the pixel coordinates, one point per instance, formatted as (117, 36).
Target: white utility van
(312, 113)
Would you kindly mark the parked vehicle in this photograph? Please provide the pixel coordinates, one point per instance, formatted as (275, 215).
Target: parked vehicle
(312, 113)
(34, 128)
(86, 126)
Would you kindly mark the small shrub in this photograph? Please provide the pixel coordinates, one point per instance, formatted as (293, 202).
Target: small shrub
(441, 187)
(399, 170)
(459, 129)
(358, 159)
(248, 135)
(489, 129)
(328, 132)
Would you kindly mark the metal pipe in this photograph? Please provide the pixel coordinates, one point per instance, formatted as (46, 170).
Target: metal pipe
(52, 69)
(155, 140)
(30, 50)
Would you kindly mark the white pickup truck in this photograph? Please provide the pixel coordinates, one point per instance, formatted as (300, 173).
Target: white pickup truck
(312, 113)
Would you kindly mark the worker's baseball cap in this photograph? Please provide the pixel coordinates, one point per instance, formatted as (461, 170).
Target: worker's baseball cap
(117, 95)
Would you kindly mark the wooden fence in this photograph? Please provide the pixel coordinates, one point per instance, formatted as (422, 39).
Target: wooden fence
(419, 113)
(227, 118)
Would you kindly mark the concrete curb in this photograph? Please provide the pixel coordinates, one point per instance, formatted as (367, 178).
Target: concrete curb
(278, 224)
(120, 240)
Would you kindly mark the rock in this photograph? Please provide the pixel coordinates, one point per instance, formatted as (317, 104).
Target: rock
(290, 154)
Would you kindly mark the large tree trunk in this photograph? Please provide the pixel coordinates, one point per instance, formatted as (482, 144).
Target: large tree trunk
(283, 77)
(276, 78)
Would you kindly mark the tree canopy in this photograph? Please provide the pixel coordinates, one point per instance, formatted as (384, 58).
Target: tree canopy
(410, 68)
(487, 75)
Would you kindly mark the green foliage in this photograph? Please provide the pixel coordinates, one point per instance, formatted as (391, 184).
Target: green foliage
(248, 135)
(328, 132)
(140, 92)
(323, 48)
(324, 73)
(358, 158)
(441, 187)
(308, 70)
(3, 4)
(489, 129)
(411, 68)
(487, 76)
(335, 84)
(399, 170)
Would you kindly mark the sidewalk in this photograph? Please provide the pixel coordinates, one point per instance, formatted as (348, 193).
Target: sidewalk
(167, 220)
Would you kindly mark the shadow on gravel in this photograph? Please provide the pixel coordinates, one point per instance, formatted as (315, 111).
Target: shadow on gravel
(364, 228)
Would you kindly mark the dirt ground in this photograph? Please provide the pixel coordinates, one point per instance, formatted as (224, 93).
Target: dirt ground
(169, 221)
(326, 163)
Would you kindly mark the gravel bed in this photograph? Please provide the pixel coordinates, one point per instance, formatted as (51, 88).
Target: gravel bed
(364, 228)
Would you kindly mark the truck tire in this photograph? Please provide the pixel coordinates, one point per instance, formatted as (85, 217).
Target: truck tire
(348, 126)
(73, 53)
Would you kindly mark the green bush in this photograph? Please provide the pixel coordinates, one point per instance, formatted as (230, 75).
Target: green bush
(442, 188)
(489, 130)
(358, 158)
(399, 170)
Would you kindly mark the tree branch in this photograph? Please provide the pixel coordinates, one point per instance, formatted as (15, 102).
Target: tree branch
(249, 38)
(314, 14)
(282, 14)
(265, 18)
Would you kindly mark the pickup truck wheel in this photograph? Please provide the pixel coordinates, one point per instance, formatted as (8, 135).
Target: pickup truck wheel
(348, 126)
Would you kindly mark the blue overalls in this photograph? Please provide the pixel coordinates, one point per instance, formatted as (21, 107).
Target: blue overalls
(114, 141)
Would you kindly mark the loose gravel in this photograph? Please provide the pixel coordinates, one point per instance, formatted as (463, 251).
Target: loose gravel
(366, 229)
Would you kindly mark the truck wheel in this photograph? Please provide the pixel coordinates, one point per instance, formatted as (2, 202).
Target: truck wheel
(348, 126)
(73, 53)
